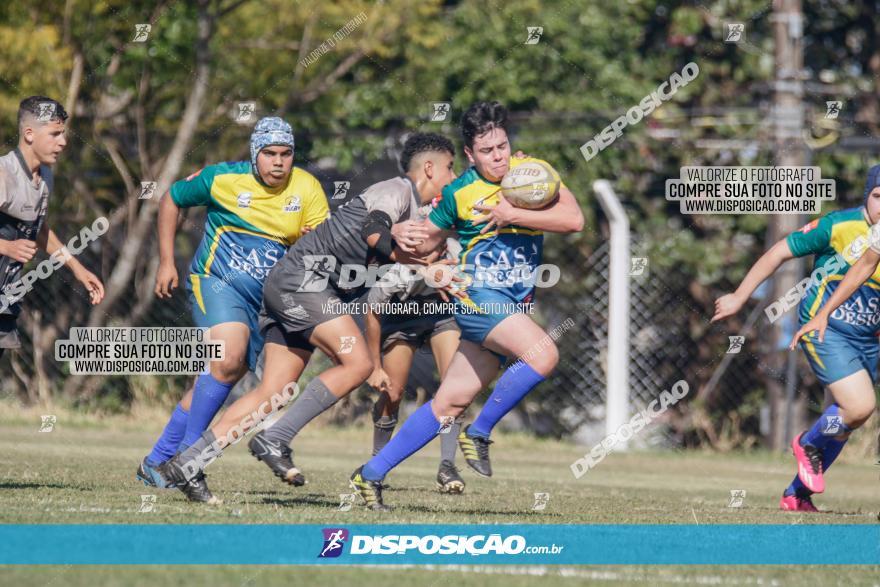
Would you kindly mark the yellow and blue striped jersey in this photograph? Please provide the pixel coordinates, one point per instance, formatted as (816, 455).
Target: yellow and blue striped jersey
(249, 226)
(838, 240)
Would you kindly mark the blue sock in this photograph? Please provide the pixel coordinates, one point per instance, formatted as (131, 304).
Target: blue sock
(418, 430)
(513, 385)
(829, 425)
(829, 454)
(208, 397)
(166, 446)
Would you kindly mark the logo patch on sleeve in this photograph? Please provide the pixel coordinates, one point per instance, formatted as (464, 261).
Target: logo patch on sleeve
(808, 227)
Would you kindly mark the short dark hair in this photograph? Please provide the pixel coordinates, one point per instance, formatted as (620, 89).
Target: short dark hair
(422, 142)
(480, 118)
(33, 106)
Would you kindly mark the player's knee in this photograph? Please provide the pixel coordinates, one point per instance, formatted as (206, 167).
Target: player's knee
(360, 369)
(451, 404)
(448, 408)
(545, 361)
(858, 419)
(395, 394)
(859, 413)
(230, 369)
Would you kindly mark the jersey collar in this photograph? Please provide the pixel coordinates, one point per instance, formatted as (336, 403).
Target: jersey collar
(27, 171)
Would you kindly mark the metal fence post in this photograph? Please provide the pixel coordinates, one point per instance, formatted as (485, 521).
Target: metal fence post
(617, 393)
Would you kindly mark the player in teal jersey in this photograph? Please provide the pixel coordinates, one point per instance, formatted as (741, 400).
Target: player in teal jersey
(845, 359)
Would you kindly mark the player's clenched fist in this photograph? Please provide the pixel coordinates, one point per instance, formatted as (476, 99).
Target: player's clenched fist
(166, 280)
(22, 250)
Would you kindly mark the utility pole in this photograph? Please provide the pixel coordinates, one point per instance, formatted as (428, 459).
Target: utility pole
(790, 150)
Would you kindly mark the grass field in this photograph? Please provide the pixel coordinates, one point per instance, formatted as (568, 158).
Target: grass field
(85, 474)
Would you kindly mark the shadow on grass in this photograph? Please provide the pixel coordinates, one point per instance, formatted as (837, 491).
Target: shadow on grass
(26, 485)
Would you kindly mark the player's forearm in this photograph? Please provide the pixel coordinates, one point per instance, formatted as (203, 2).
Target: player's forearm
(373, 332)
(764, 268)
(49, 242)
(857, 275)
(167, 228)
(564, 216)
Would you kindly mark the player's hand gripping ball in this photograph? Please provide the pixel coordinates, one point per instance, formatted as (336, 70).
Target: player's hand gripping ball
(531, 185)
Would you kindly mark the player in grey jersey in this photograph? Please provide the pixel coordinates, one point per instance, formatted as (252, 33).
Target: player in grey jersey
(301, 301)
(25, 186)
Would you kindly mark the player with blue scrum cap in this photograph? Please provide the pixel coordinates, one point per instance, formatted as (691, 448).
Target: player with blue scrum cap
(255, 210)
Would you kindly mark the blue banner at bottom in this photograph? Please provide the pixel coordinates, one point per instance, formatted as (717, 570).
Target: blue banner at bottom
(520, 544)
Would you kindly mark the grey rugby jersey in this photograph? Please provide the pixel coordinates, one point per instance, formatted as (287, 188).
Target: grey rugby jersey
(23, 207)
(340, 235)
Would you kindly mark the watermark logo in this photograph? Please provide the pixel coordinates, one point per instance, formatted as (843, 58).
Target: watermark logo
(544, 343)
(737, 498)
(141, 33)
(832, 425)
(446, 423)
(541, 501)
(148, 189)
(334, 540)
(45, 111)
(440, 111)
(533, 34)
(734, 32)
(148, 502)
(493, 273)
(318, 269)
(736, 344)
(13, 292)
(638, 265)
(246, 111)
(330, 42)
(790, 299)
(210, 453)
(833, 108)
(474, 545)
(626, 431)
(346, 344)
(665, 91)
(47, 423)
(346, 500)
(340, 189)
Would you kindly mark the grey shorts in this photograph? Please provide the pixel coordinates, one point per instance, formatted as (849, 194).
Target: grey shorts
(415, 331)
(297, 311)
(9, 338)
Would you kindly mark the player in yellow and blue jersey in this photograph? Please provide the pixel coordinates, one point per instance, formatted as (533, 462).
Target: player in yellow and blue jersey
(502, 248)
(255, 210)
(844, 357)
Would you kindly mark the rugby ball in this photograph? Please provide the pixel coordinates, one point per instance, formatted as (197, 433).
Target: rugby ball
(530, 185)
